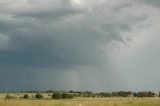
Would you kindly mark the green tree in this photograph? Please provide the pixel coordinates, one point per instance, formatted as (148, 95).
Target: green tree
(38, 96)
(26, 96)
(67, 96)
(57, 95)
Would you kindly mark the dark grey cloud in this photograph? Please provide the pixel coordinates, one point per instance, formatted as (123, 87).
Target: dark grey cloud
(66, 39)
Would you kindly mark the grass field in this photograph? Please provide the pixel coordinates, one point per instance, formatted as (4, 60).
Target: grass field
(130, 101)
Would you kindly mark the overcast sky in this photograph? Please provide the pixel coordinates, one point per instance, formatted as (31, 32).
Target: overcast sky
(97, 45)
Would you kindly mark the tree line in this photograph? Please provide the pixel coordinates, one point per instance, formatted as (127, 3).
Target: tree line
(73, 94)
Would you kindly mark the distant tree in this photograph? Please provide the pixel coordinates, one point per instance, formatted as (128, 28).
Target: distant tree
(49, 94)
(26, 96)
(88, 94)
(94, 95)
(105, 94)
(116, 94)
(49, 91)
(57, 95)
(38, 96)
(159, 94)
(71, 91)
(67, 96)
(75, 94)
(125, 94)
(135, 94)
(144, 94)
(122, 94)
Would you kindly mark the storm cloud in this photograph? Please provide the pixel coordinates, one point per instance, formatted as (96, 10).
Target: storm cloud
(70, 44)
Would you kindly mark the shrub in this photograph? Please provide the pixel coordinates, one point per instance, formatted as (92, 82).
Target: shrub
(144, 94)
(104, 94)
(56, 95)
(26, 96)
(38, 96)
(67, 96)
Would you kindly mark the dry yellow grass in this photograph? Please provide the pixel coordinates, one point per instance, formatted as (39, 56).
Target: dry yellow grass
(83, 102)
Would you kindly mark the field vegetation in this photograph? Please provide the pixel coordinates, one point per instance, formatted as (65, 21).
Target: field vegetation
(71, 98)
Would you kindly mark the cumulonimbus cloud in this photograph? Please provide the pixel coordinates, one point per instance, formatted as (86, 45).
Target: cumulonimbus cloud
(53, 36)
(77, 36)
